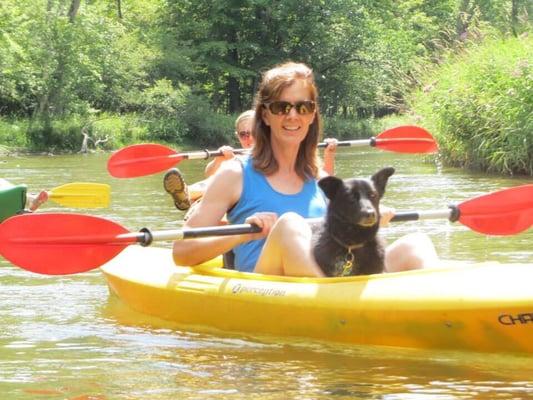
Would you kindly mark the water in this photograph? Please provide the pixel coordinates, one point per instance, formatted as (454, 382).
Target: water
(66, 338)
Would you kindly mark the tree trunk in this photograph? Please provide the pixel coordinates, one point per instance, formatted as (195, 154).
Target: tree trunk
(234, 91)
(73, 10)
(119, 9)
(463, 18)
(234, 87)
(514, 16)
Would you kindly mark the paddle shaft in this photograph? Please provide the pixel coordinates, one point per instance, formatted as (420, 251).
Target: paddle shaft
(145, 237)
(451, 214)
(206, 154)
(372, 142)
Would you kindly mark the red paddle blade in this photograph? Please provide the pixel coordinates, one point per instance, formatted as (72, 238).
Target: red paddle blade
(407, 139)
(142, 159)
(505, 212)
(58, 244)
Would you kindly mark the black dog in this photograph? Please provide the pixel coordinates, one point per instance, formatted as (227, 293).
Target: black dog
(347, 242)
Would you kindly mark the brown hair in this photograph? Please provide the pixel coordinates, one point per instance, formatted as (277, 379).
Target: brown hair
(273, 83)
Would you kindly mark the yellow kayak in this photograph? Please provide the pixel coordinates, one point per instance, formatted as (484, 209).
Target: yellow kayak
(481, 307)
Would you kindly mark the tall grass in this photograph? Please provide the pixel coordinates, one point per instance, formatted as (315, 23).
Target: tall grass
(480, 106)
(12, 134)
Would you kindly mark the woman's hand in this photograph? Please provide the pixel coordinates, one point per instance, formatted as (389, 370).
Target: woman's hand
(227, 153)
(265, 220)
(214, 165)
(331, 145)
(329, 155)
(386, 214)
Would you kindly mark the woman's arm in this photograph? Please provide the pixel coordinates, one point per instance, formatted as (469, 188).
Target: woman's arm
(223, 191)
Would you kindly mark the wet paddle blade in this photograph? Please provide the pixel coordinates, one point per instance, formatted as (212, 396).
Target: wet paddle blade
(142, 159)
(407, 139)
(82, 195)
(57, 244)
(506, 212)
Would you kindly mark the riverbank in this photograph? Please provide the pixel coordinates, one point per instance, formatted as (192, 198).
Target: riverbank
(507, 156)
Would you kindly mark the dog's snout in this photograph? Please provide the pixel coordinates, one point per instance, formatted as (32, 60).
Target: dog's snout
(368, 212)
(369, 216)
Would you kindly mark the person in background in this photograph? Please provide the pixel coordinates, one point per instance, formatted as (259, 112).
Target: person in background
(243, 132)
(276, 188)
(173, 181)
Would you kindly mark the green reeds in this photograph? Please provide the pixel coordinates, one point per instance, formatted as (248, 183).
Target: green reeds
(479, 104)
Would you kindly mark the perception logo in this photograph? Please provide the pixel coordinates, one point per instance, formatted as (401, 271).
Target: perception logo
(517, 319)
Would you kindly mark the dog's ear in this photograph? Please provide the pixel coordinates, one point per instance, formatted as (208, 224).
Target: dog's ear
(330, 185)
(380, 179)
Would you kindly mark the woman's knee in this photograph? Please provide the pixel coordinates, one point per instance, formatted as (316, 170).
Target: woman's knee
(413, 251)
(291, 224)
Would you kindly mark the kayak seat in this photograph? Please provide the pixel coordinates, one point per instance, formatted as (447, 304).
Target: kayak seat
(228, 260)
(175, 186)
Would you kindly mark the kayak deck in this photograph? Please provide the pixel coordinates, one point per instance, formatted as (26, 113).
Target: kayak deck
(481, 307)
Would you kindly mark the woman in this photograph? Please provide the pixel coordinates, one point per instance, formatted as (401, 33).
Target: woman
(276, 188)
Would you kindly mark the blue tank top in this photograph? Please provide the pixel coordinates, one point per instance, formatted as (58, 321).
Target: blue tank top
(258, 196)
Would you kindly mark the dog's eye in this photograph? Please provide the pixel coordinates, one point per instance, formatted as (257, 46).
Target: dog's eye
(373, 195)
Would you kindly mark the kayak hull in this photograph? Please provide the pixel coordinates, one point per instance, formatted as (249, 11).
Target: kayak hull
(481, 307)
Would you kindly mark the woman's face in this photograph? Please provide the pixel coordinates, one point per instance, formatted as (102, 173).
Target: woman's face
(244, 133)
(291, 128)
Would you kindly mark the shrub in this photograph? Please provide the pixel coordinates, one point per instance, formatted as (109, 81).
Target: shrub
(60, 134)
(12, 133)
(480, 106)
(206, 127)
(346, 128)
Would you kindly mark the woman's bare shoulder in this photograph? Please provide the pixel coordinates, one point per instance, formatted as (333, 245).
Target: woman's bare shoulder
(229, 169)
(225, 185)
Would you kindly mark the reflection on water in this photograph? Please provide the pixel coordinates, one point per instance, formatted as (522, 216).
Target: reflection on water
(65, 338)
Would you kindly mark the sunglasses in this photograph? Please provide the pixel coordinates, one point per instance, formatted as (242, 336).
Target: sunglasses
(244, 134)
(284, 107)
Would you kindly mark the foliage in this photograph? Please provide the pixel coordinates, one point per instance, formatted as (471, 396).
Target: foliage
(181, 70)
(347, 128)
(161, 109)
(205, 127)
(481, 105)
(13, 133)
(59, 134)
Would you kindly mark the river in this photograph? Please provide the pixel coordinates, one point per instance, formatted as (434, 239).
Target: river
(64, 337)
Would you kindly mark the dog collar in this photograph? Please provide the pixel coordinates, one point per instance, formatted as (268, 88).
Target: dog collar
(348, 265)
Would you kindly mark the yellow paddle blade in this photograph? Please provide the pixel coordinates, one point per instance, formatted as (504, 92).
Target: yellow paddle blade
(82, 195)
